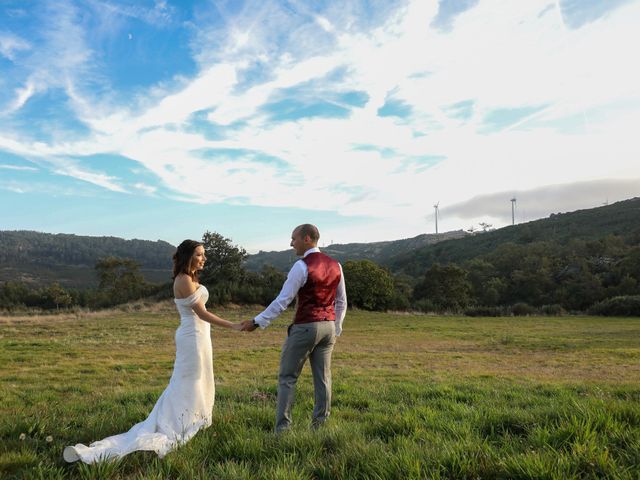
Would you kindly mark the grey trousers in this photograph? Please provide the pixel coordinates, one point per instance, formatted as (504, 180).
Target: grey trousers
(306, 340)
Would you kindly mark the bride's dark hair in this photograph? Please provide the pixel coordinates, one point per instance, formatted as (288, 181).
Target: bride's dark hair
(182, 258)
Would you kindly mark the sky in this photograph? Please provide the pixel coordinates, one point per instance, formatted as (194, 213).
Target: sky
(165, 119)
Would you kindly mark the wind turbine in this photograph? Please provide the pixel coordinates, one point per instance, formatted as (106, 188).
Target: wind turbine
(436, 209)
(513, 211)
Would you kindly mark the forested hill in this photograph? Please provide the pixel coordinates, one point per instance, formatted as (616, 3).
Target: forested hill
(620, 218)
(42, 258)
(379, 252)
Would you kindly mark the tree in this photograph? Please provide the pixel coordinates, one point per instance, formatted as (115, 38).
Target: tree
(486, 288)
(630, 264)
(531, 280)
(120, 280)
(58, 296)
(447, 287)
(272, 281)
(580, 290)
(13, 294)
(402, 291)
(259, 288)
(224, 260)
(369, 286)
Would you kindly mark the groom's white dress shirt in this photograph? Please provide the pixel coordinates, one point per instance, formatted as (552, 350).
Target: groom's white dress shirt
(296, 278)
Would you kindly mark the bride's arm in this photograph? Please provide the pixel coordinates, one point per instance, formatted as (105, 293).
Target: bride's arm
(203, 314)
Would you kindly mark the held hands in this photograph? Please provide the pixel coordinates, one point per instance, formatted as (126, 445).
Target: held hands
(248, 326)
(245, 326)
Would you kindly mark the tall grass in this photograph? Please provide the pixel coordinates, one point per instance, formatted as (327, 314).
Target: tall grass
(414, 397)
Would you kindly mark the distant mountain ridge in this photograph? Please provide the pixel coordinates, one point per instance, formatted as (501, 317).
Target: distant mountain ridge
(42, 258)
(379, 252)
(620, 218)
(413, 256)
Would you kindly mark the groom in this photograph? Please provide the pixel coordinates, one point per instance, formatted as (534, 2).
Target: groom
(318, 283)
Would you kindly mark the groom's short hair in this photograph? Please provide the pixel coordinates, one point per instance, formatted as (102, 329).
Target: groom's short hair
(308, 229)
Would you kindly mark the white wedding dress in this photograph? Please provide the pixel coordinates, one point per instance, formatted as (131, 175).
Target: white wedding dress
(183, 408)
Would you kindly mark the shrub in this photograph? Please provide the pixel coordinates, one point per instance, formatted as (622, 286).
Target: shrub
(399, 302)
(522, 309)
(447, 287)
(553, 310)
(623, 306)
(369, 286)
(484, 312)
(424, 305)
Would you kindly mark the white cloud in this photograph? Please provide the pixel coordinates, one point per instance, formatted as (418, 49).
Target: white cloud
(498, 55)
(148, 189)
(70, 169)
(45, 188)
(160, 15)
(10, 44)
(324, 23)
(47, 157)
(19, 168)
(239, 106)
(22, 96)
(13, 188)
(61, 60)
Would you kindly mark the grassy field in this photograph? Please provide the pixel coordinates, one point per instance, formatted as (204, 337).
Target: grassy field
(415, 396)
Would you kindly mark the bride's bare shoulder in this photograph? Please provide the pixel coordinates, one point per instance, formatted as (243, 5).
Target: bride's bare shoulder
(183, 286)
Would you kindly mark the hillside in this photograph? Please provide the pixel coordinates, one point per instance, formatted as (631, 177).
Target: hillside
(379, 252)
(620, 218)
(42, 258)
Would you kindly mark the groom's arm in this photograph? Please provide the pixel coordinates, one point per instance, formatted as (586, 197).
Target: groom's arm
(296, 278)
(340, 303)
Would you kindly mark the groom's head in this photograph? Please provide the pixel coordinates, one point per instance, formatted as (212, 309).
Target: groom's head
(304, 237)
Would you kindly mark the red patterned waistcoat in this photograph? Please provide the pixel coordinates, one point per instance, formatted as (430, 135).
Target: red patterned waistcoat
(316, 297)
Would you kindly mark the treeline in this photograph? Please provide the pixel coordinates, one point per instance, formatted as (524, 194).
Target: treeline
(120, 281)
(544, 277)
(620, 219)
(599, 276)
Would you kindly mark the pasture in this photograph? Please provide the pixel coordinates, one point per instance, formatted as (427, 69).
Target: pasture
(415, 396)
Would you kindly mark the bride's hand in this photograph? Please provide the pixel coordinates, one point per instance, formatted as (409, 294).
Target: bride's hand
(237, 327)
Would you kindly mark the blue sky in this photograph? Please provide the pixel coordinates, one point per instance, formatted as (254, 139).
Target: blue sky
(161, 119)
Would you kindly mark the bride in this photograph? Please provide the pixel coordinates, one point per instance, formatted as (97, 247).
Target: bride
(186, 404)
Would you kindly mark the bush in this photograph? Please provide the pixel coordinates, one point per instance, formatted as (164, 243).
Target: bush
(553, 310)
(424, 305)
(484, 312)
(399, 302)
(369, 286)
(521, 309)
(623, 306)
(447, 287)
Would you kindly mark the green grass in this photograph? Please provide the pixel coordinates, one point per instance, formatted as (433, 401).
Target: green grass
(415, 396)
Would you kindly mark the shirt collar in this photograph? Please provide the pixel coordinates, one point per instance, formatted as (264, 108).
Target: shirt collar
(311, 250)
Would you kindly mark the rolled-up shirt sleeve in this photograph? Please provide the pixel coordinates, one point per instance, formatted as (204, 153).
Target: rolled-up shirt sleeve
(340, 303)
(296, 278)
